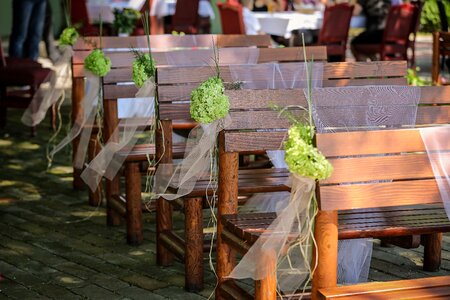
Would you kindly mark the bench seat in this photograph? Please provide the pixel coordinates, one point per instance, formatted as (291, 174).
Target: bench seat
(141, 151)
(361, 223)
(250, 181)
(422, 288)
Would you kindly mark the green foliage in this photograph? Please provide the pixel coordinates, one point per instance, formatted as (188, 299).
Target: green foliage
(429, 19)
(97, 63)
(125, 20)
(143, 68)
(69, 36)
(302, 158)
(208, 101)
(414, 79)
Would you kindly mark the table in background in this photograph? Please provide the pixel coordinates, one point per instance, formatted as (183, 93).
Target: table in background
(163, 8)
(283, 23)
(105, 8)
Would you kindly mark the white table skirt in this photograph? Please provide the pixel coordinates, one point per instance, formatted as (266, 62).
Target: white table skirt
(105, 8)
(283, 23)
(162, 8)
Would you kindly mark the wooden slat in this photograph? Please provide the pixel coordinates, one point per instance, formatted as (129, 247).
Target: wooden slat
(399, 167)
(172, 75)
(182, 92)
(423, 288)
(379, 194)
(227, 56)
(170, 41)
(254, 141)
(372, 142)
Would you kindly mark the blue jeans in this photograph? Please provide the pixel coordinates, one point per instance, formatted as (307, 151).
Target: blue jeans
(28, 25)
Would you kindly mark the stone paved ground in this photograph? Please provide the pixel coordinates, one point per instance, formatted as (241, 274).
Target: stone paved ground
(53, 245)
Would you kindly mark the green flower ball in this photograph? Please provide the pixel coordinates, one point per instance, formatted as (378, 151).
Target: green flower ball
(143, 69)
(302, 157)
(69, 36)
(97, 63)
(208, 102)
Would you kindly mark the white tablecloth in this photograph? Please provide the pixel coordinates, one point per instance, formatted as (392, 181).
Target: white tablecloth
(162, 8)
(283, 23)
(105, 8)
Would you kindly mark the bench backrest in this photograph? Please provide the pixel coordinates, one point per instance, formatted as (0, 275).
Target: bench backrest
(385, 167)
(117, 84)
(176, 83)
(112, 45)
(441, 48)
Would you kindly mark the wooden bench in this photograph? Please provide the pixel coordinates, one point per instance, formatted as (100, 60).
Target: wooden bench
(360, 205)
(112, 46)
(117, 85)
(441, 51)
(180, 81)
(423, 288)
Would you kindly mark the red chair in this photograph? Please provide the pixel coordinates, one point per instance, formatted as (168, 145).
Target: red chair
(231, 17)
(186, 17)
(334, 31)
(414, 29)
(19, 72)
(79, 16)
(399, 25)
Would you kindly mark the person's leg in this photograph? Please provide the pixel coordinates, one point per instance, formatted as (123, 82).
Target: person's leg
(36, 28)
(48, 37)
(21, 17)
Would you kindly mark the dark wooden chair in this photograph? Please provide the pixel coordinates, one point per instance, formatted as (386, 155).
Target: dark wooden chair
(24, 73)
(231, 18)
(441, 50)
(334, 31)
(399, 25)
(345, 210)
(79, 16)
(111, 46)
(186, 18)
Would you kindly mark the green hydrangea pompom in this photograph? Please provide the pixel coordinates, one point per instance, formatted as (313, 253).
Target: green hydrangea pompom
(97, 63)
(302, 158)
(143, 69)
(69, 36)
(208, 101)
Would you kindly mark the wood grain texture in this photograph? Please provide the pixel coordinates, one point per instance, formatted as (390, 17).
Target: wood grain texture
(165, 41)
(182, 75)
(379, 194)
(134, 212)
(422, 288)
(194, 244)
(432, 246)
(326, 252)
(227, 204)
(77, 113)
(266, 289)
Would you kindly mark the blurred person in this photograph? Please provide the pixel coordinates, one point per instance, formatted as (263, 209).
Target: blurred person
(268, 5)
(376, 12)
(27, 29)
(250, 21)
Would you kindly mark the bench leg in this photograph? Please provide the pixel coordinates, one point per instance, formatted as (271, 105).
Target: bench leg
(134, 199)
(227, 204)
(95, 197)
(193, 210)
(266, 289)
(163, 224)
(77, 113)
(432, 244)
(326, 235)
(112, 187)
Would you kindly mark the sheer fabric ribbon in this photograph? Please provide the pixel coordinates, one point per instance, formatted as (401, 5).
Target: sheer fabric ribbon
(84, 123)
(50, 92)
